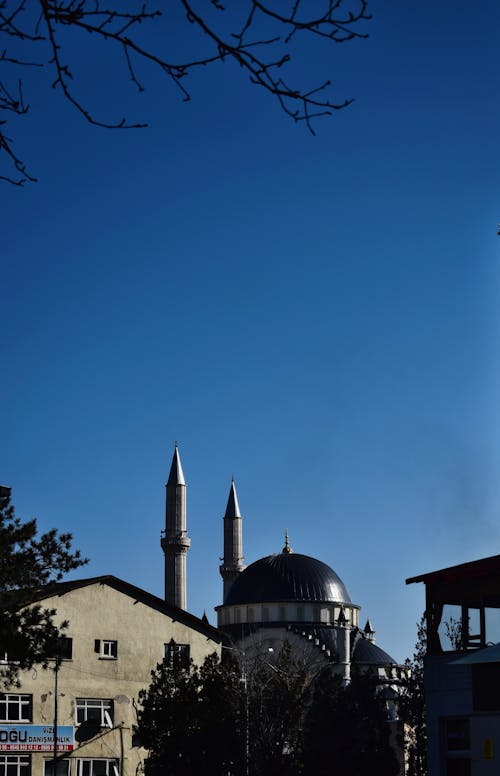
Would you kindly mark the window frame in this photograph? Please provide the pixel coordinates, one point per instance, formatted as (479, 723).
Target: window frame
(13, 698)
(7, 758)
(176, 654)
(50, 762)
(105, 705)
(105, 648)
(111, 765)
(456, 744)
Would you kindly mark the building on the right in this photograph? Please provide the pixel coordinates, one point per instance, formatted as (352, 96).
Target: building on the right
(462, 668)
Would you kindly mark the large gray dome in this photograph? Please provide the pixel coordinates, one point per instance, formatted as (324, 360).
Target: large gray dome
(287, 577)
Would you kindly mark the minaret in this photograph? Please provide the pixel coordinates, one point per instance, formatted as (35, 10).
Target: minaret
(232, 562)
(174, 541)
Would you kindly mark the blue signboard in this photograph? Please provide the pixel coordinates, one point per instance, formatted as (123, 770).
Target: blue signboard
(36, 738)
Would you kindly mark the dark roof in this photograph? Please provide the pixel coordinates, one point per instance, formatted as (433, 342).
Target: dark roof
(179, 615)
(363, 653)
(287, 577)
(476, 569)
(367, 653)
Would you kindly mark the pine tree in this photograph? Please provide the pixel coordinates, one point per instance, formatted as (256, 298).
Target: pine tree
(192, 719)
(28, 562)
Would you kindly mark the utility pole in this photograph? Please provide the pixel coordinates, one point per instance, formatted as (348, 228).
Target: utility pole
(56, 692)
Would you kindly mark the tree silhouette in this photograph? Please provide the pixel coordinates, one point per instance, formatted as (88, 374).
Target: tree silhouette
(191, 719)
(28, 562)
(412, 707)
(260, 36)
(346, 729)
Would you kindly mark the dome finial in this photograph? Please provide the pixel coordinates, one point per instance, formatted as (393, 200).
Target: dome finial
(287, 549)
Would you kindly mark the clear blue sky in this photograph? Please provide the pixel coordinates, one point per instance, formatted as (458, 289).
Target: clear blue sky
(318, 316)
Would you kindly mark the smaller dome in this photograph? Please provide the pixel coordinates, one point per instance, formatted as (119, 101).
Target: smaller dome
(367, 653)
(287, 577)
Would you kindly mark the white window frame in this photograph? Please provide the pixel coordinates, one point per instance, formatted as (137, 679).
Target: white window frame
(22, 701)
(107, 649)
(22, 761)
(111, 765)
(104, 705)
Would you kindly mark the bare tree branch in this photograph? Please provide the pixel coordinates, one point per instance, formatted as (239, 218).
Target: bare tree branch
(258, 36)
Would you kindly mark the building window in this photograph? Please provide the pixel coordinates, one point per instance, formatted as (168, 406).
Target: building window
(65, 648)
(62, 768)
(96, 767)
(459, 766)
(6, 658)
(486, 687)
(457, 735)
(250, 617)
(457, 746)
(316, 614)
(300, 613)
(176, 654)
(281, 613)
(15, 707)
(106, 648)
(94, 710)
(265, 614)
(15, 765)
(237, 615)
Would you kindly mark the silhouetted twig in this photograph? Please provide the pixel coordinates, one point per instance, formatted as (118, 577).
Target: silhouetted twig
(34, 35)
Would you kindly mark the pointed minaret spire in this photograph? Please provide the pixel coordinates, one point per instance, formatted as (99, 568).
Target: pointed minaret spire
(233, 508)
(232, 562)
(175, 541)
(176, 476)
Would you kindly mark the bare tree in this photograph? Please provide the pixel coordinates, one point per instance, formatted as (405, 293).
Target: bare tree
(259, 36)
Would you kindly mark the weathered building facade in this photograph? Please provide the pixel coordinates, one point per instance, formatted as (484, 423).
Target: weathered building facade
(117, 634)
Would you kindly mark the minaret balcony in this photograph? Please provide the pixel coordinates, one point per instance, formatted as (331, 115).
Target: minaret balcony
(175, 543)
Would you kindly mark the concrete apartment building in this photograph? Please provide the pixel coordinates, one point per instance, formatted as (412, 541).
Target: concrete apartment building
(462, 668)
(117, 634)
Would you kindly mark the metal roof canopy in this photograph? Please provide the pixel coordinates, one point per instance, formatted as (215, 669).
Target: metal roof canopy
(473, 584)
(487, 655)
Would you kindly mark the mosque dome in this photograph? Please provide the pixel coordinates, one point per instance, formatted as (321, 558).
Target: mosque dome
(285, 577)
